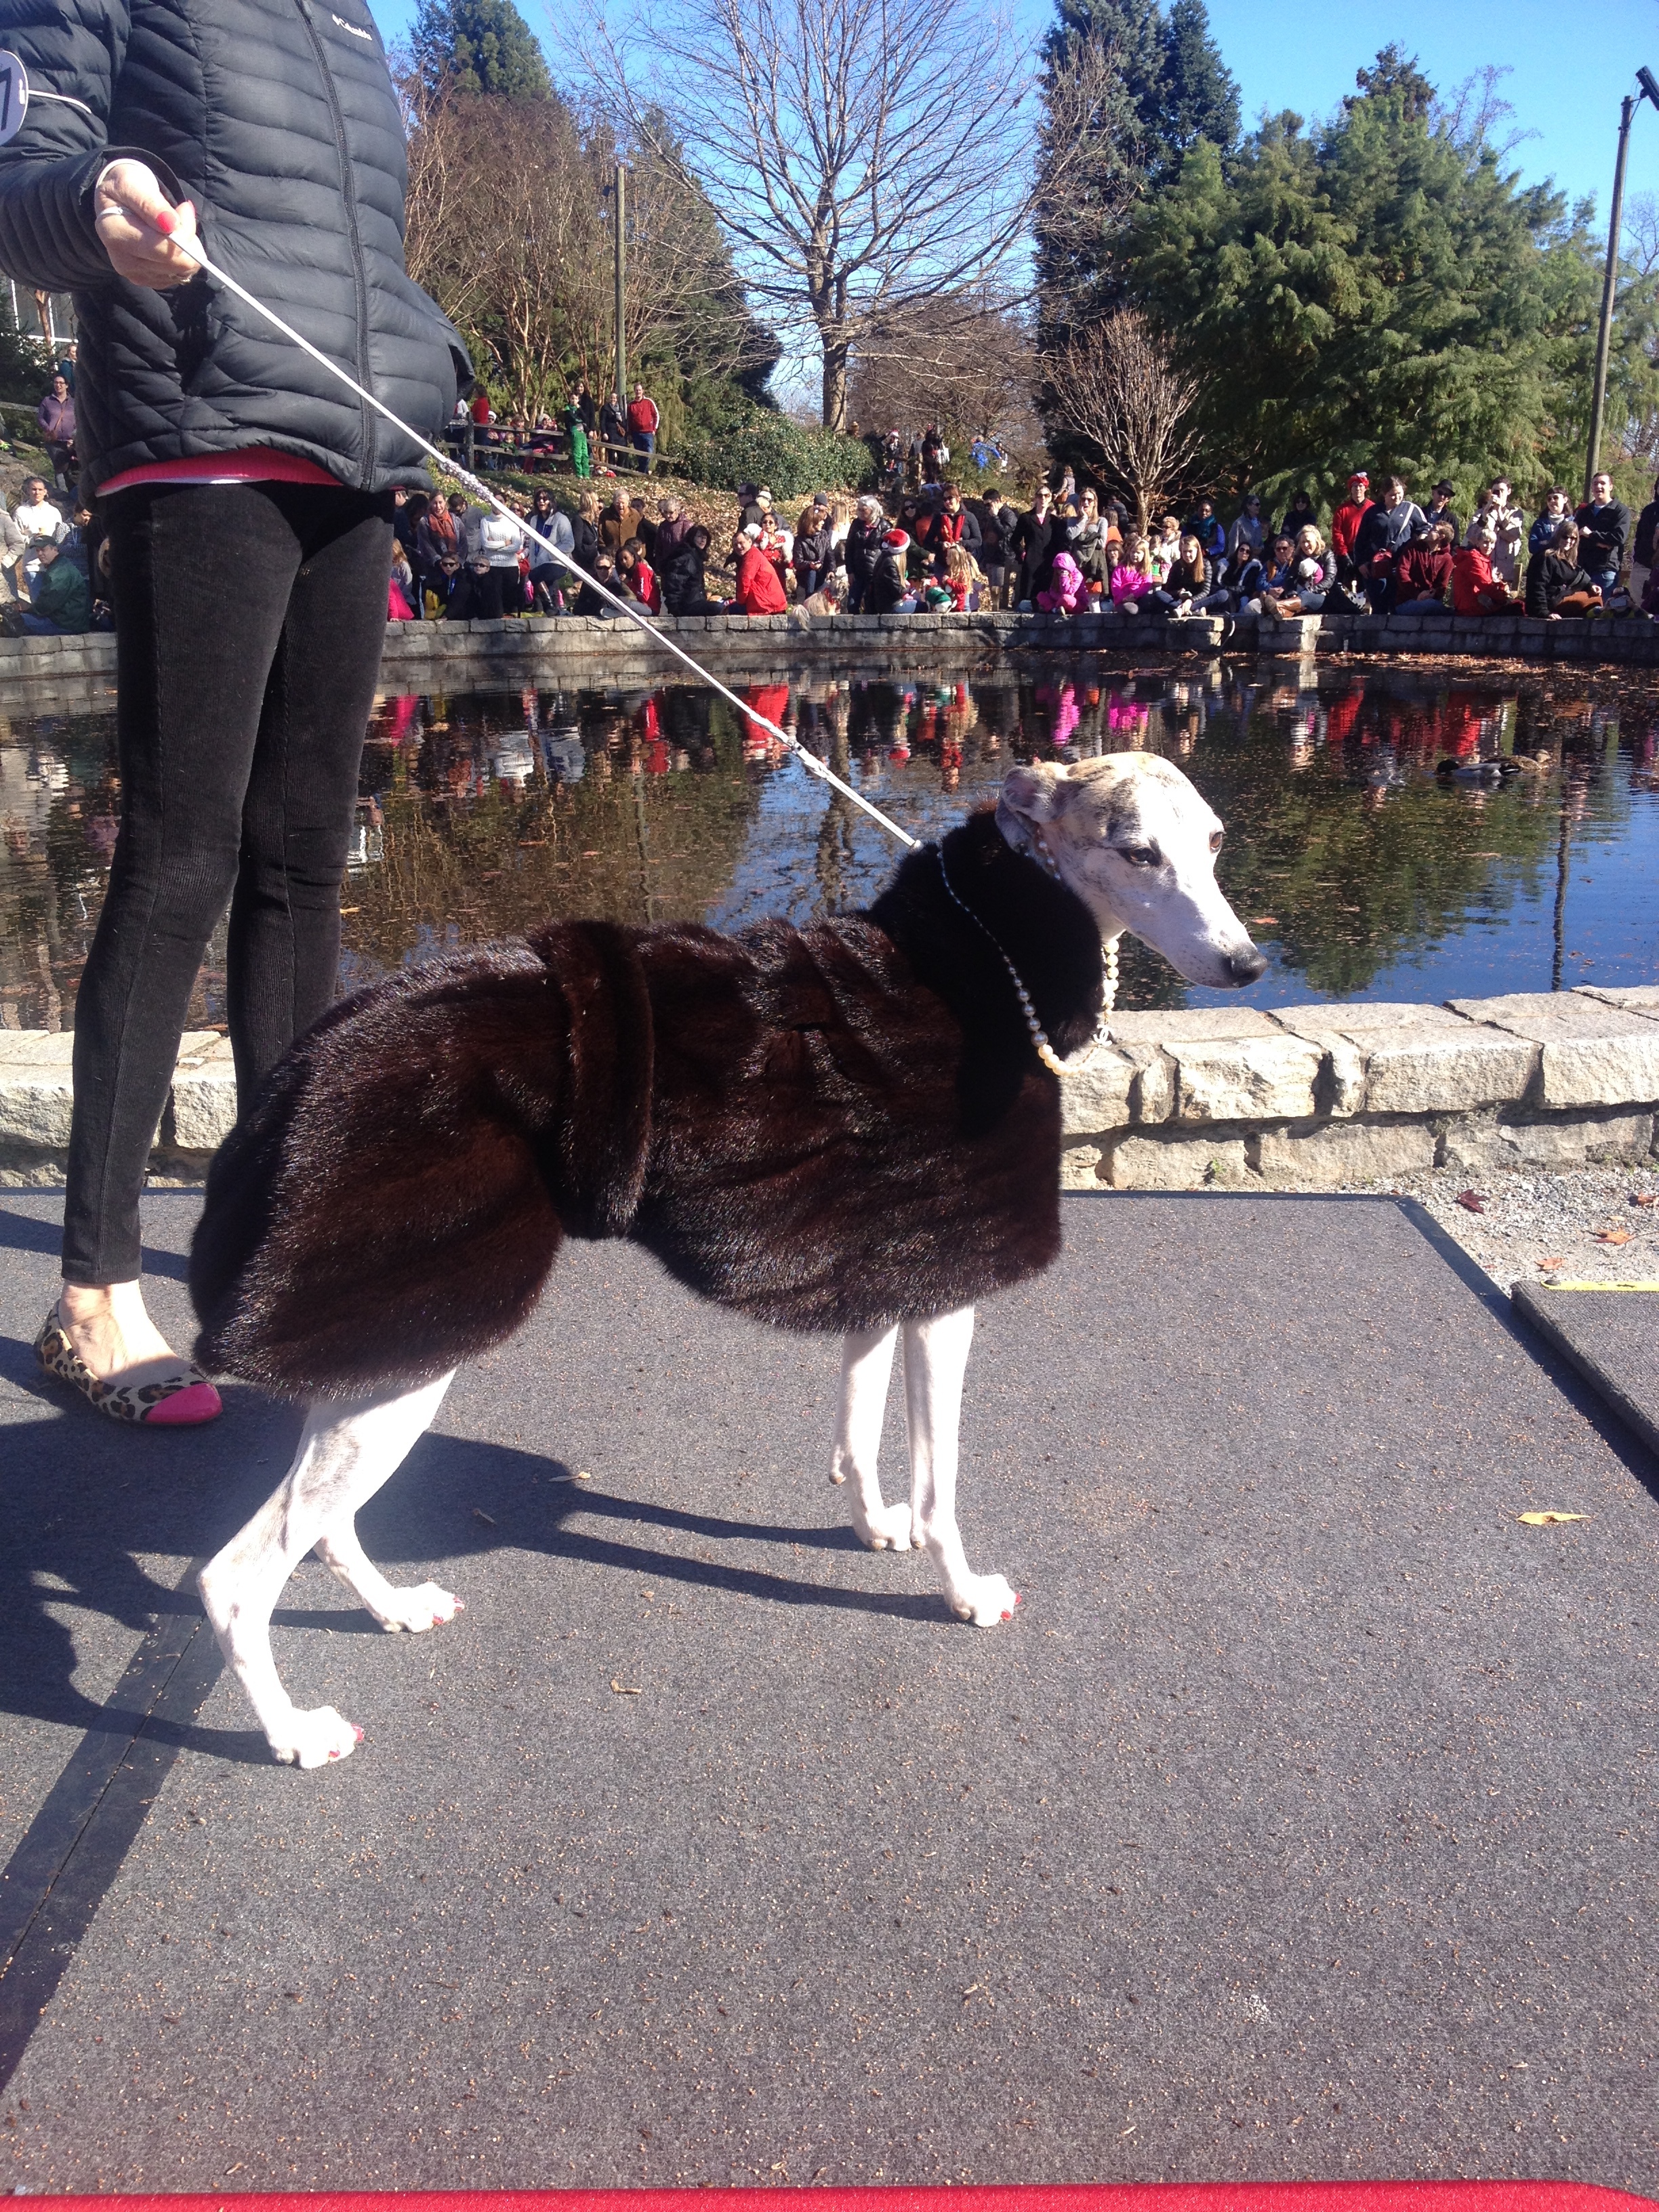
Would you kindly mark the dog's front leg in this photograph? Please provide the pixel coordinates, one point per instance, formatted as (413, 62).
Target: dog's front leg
(346, 1451)
(935, 1361)
(867, 1363)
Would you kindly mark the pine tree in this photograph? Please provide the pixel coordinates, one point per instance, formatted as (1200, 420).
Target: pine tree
(1142, 88)
(478, 46)
(1375, 294)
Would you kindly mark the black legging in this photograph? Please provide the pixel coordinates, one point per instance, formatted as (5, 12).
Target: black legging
(249, 624)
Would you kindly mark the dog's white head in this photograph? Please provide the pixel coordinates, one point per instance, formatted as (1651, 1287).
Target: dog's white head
(1133, 838)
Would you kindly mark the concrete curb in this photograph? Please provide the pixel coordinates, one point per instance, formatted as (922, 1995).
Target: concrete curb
(1607, 1335)
(1300, 1097)
(557, 646)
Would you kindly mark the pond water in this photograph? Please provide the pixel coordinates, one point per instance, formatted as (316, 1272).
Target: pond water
(1361, 872)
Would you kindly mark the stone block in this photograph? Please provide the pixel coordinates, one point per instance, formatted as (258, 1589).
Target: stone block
(1204, 1024)
(203, 1104)
(35, 1103)
(1246, 1080)
(1566, 1141)
(1591, 1054)
(1078, 1166)
(1322, 1156)
(1099, 1097)
(35, 1048)
(1635, 998)
(1174, 1163)
(1416, 1059)
(1152, 1092)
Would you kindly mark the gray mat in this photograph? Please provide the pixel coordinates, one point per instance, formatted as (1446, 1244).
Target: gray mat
(1612, 1337)
(1301, 1824)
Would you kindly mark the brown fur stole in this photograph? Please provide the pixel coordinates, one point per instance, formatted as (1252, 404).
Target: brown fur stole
(828, 1128)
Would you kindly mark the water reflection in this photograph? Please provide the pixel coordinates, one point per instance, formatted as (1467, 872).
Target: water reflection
(1390, 833)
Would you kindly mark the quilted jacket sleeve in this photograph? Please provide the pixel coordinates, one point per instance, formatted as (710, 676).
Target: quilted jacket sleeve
(76, 48)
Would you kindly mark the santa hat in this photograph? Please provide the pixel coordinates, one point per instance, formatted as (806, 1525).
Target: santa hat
(1359, 477)
(895, 541)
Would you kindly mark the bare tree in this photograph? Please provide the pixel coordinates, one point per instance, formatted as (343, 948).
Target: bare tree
(967, 363)
(509, 227)
(1118, 387)
(1475, 117)
(862, 155)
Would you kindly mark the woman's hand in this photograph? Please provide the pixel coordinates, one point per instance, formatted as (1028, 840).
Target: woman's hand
(128, 206)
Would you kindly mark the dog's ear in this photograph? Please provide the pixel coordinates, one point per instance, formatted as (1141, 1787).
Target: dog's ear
(1030, 795)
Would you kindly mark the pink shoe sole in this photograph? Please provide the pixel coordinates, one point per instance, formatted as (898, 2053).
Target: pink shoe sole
(186, 1409)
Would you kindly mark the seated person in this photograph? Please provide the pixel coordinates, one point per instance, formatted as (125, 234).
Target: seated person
(1067, 592)
(962, 578)
(634, 579)
(1312, 573)
(760, 584)
(1189, 586)
(1247, 578)
(1423, 571)
(1474, 589)
(477, 593)
(60, 598)
(1556, 585)
(589, 601)
(684, 587)
(1130, 582)
(889, 590)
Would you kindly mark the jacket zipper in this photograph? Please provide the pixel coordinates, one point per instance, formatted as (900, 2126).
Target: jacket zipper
(350, 190)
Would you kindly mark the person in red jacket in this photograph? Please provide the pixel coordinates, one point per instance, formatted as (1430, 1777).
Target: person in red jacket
(1345, 523)
(643, 421)
(760, 587)
(1474, 589)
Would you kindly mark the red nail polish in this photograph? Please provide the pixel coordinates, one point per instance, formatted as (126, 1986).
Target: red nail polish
(165, 222)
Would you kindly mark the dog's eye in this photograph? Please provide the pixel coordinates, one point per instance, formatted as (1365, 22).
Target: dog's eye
(1216, 837)
(1139, 856)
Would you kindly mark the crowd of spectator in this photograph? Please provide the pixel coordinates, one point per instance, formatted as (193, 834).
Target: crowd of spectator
(923, 547)
(1072, 551)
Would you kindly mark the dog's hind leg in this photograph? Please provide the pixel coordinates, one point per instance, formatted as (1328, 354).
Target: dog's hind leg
(347, 1450)
(866, 1363)
(935, 1362)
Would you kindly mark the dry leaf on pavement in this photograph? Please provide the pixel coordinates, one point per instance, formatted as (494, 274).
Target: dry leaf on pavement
(1544, 1520)
(1472, 1199)
(1613, 1236)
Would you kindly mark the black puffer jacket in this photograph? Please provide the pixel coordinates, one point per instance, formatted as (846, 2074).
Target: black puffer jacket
(278, 120)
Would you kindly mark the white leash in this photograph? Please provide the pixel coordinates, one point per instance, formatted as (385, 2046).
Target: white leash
(808, 760)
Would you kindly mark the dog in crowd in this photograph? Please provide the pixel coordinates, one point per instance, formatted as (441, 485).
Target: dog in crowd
(853, 1127)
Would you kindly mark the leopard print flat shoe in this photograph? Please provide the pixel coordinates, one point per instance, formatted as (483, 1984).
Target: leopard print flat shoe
(177, 1402)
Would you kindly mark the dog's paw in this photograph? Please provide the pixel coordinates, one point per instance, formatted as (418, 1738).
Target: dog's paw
(314, 1739)
(427, 1607)
(886, 1529)
(984, 1599)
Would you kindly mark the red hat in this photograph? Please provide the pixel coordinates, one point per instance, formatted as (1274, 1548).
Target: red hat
(897, 539)
(1360, 476)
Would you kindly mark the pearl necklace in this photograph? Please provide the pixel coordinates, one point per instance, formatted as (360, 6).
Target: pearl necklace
(1045, 1051)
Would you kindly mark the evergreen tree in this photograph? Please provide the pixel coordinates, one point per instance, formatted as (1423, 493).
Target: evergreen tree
(1142, 88)
(1393, 72)
(1377, 294)
(478, 46)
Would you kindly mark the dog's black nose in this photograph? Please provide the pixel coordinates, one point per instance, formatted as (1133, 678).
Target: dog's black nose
(1245, 967)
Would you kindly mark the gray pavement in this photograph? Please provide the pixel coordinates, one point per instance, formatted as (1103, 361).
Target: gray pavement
(1302, 1823)
(1611, 1338)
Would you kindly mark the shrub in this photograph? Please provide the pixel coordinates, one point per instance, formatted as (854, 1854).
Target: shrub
(771, 450)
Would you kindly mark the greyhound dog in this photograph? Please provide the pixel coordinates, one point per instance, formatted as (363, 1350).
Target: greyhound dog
(853, 1126)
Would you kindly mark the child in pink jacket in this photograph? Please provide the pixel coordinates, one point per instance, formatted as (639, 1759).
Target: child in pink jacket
(1066, 592)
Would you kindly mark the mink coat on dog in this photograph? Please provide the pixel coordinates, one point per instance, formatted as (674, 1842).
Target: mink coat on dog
(828, 1128)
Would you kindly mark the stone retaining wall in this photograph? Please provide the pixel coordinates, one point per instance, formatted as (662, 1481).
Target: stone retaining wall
(1303, 1097)
(552, 649)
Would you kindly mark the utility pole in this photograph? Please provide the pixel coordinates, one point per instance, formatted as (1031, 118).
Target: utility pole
(1604, 337)
(622, 334)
